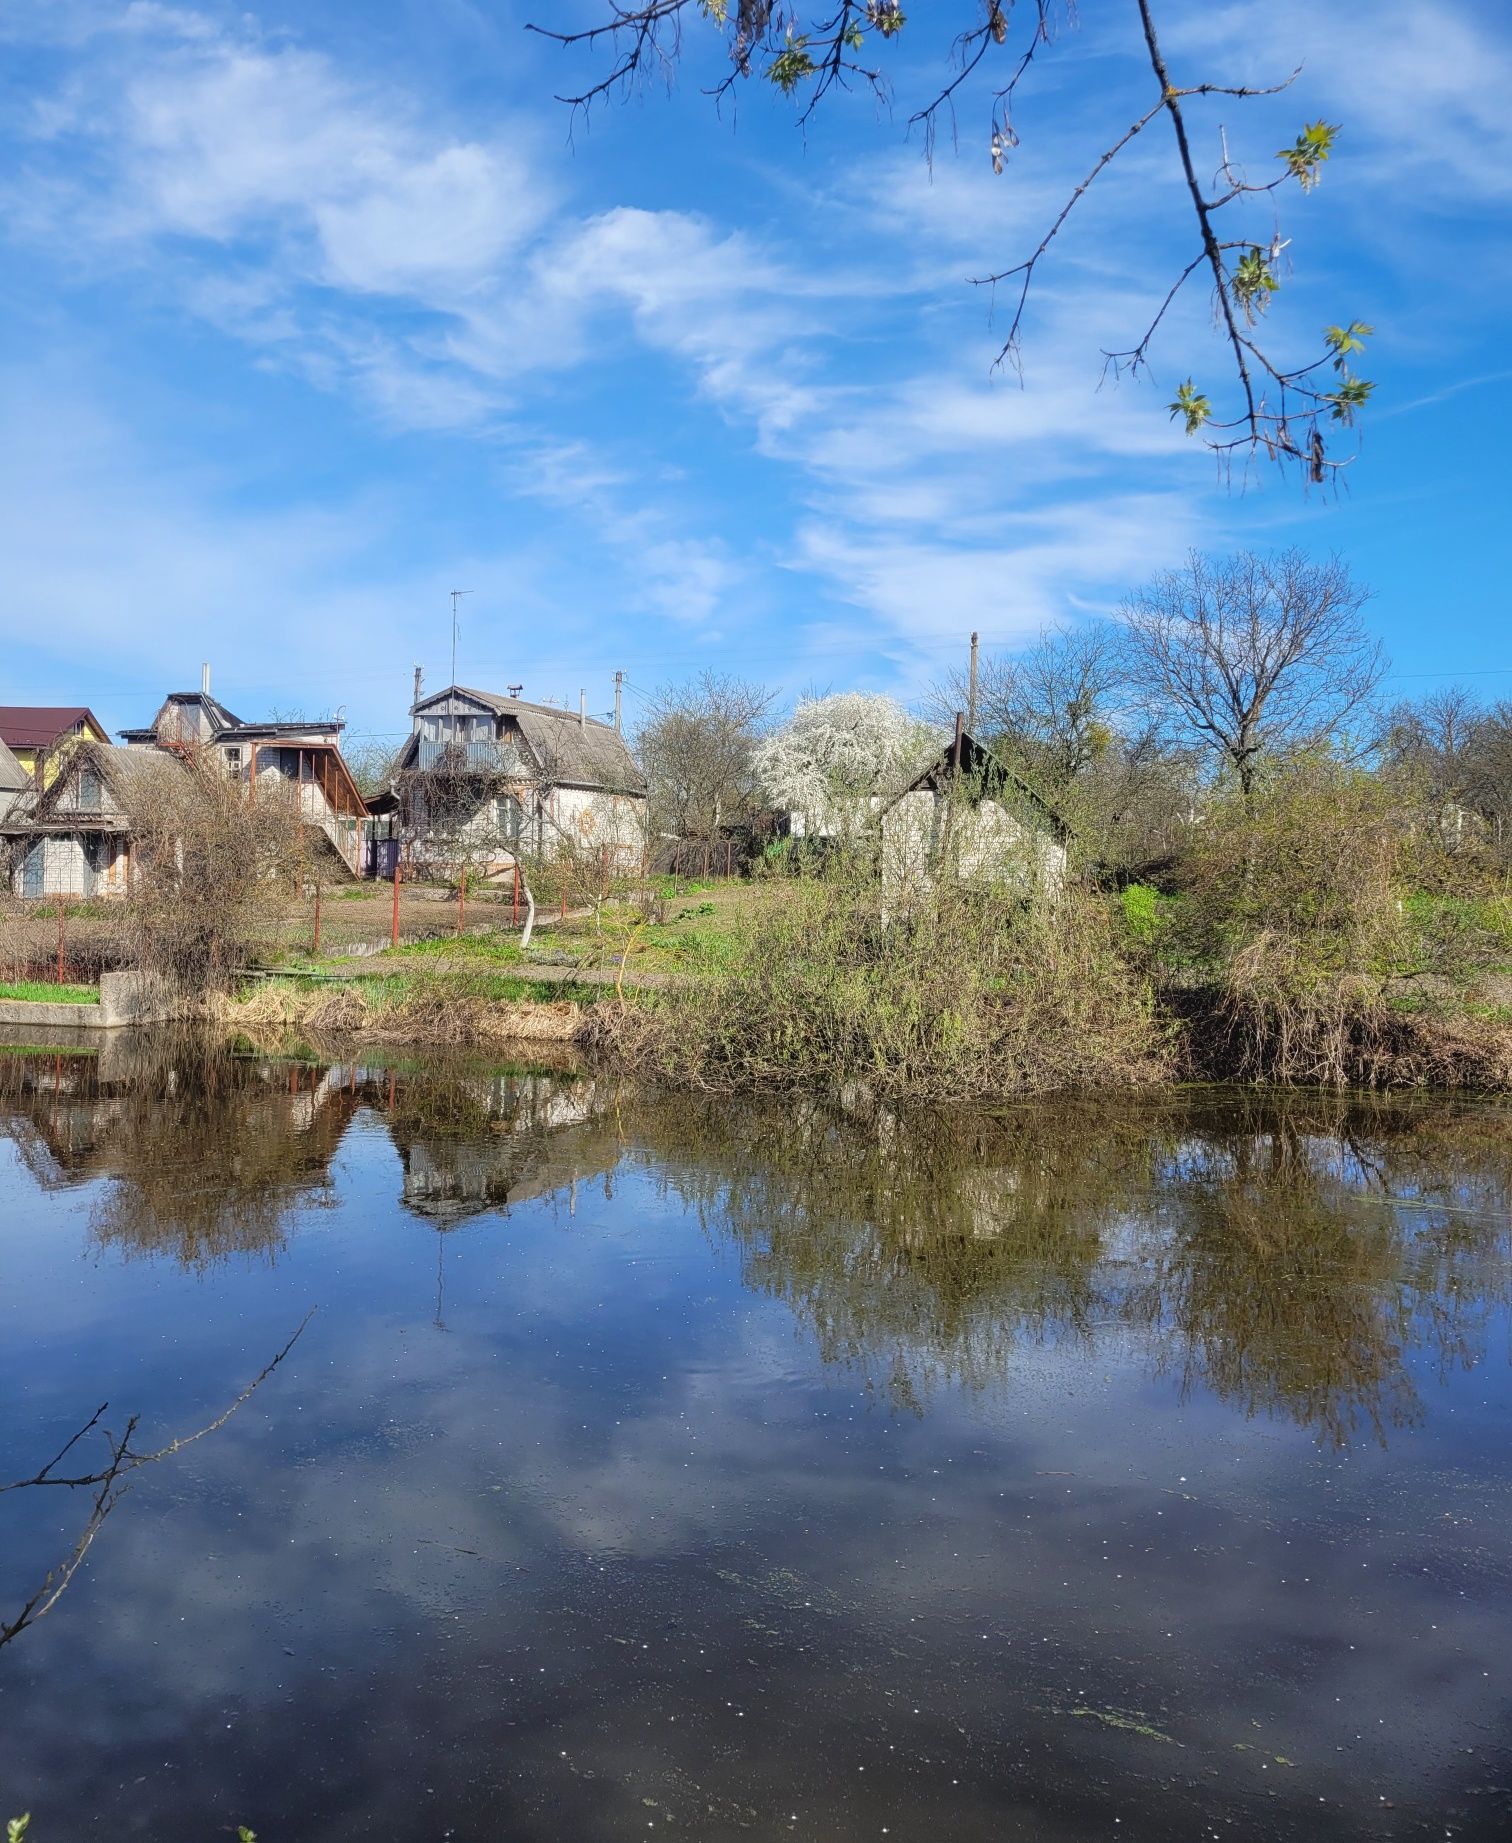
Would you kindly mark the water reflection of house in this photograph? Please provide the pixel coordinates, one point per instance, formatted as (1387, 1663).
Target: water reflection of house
(526, 1136)
(210, 1152)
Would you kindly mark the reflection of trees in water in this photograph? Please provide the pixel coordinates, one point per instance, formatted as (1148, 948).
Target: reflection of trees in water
(209, 1151)
(1294, 1255)
(1286, 1253)
(919, 1252)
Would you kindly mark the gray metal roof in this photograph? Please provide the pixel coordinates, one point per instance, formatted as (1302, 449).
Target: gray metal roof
(567, 749)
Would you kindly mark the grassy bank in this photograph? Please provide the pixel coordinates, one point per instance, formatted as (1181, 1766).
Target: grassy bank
(400, 1008)
(40, 992)
(1306, 939)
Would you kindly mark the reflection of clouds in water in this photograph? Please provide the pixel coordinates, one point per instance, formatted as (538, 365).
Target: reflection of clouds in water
(533, 1538)
(756, 1545)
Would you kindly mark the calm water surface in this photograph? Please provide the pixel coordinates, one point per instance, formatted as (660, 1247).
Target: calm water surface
(675, 1467)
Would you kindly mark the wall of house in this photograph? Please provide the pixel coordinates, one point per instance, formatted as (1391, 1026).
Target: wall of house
(566, 819)
(613, 822)
(72, 864)
(984, 843)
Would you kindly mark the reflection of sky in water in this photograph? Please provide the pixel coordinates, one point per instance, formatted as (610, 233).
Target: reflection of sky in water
(616, 1553)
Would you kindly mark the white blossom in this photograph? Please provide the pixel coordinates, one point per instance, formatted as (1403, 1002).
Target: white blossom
(836, 754)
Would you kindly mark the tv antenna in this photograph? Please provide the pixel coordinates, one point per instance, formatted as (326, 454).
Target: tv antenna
(456, 596)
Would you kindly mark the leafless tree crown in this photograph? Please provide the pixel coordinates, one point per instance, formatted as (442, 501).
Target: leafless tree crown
(1252, 654)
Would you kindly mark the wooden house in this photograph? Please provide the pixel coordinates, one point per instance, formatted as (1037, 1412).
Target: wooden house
(483, 778)
(76, 837)
(303, 754)
(15, 788)
(40, 736)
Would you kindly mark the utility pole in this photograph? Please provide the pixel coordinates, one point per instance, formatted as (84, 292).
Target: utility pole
(619, 684)
(456, 596)
(971, 697)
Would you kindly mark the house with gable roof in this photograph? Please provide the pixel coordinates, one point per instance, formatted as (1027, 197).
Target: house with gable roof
(486, 778)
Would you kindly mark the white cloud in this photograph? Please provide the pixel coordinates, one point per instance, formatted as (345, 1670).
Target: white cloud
(1422, 91)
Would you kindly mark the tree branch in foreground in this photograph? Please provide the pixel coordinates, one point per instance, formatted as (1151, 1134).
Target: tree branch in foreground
(1288, 413)
(109, 1487)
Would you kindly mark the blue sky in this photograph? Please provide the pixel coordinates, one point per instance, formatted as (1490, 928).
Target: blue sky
(311, 313)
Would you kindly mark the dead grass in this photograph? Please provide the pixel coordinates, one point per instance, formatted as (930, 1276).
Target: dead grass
(426, 1014)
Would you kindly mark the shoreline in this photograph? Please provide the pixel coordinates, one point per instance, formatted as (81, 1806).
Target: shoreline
(1202, 1039)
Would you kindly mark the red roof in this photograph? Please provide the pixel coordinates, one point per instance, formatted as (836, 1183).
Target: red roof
(38, 726)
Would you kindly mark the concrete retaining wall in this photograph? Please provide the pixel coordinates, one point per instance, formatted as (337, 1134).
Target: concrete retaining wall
(125, 998)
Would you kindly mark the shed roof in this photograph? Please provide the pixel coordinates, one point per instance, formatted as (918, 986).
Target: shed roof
(38, 726)
(568, 748)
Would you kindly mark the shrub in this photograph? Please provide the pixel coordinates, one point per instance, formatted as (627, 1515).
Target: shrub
(972, 993)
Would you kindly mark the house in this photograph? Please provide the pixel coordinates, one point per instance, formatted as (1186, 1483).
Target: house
(40, 735)
(484, 778)
(301, 753)
(969, 811)
(76, 838)
(15, 788)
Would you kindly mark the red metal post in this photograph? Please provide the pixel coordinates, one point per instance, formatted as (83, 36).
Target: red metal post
(60, 940)
(317, 918)
(462, 900)
(396, 898)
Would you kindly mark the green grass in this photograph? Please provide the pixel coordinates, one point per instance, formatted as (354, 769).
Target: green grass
(386, 989)
(498, 949)
(35, 992)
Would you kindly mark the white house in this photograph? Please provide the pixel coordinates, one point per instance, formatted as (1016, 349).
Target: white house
(969, 812)
(484, 778)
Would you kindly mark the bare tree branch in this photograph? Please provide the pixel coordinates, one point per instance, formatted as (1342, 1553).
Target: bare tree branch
(109, 1488)
(1290, 414)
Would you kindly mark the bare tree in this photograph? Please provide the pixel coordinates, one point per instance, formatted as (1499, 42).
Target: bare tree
(211, 864)
(1252, 654)
(696, 747)
(1289, 411)
(1434, 737)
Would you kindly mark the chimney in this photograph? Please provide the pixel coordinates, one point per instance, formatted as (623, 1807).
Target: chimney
(582, 710)
(418, 676)
(205, 679)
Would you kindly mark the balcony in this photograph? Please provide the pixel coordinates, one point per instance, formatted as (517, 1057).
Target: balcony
(485, 756)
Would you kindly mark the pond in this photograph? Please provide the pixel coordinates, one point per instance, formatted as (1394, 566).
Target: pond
(658, 1465)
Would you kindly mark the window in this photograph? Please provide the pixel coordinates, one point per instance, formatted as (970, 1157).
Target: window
(90, 791)
(506, 819)
(233, 761)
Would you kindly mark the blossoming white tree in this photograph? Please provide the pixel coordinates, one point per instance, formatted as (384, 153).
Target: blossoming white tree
(835, 754)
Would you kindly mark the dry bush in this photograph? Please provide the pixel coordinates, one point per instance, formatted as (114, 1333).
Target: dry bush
(972, 994)
(212, 870)
(1301, 906)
